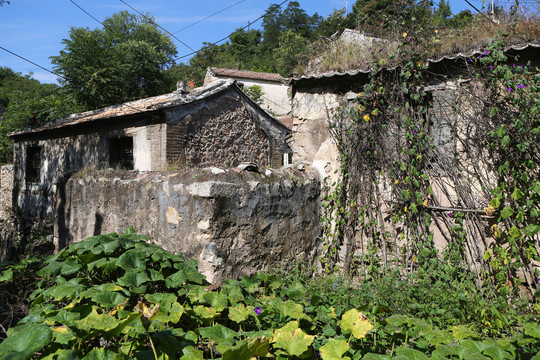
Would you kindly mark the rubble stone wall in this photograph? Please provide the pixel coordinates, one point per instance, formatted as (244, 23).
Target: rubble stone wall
(233, 223)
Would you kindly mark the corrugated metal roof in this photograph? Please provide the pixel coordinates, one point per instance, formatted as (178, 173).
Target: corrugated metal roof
(133, 107)
(244, 74)
(353, 72)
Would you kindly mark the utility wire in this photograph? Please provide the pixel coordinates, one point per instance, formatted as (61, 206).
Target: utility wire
(86, 12)
(31, 62)
(228, 36)
(209, 16)
(159, 26)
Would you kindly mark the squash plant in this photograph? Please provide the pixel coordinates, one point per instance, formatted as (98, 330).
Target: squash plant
(119, 297)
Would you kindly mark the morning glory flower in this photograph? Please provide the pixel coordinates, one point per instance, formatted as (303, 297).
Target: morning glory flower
(258, 310)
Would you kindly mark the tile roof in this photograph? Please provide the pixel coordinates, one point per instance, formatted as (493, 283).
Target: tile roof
(354, 72)
(244, 74)
(133, 107)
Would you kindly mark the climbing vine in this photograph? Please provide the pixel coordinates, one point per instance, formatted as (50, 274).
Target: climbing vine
(439, 165)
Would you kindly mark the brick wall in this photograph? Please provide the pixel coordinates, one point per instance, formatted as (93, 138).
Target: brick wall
(6, 187)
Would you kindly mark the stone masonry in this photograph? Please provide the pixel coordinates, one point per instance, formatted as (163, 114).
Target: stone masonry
(6, 188)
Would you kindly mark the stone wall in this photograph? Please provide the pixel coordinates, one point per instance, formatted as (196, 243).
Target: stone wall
(224, 137)
(233, 223)
(6, 189)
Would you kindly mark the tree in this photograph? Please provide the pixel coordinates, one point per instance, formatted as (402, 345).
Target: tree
(28, 103)
(444, 10)
(244, 46)
(335, 22)
(125, 60)
(292, 49)
(384, 15)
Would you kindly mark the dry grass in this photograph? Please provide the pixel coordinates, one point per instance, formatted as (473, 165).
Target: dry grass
(341, 56)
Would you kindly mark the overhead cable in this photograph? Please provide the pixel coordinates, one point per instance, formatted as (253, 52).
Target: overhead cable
(31, 62)
(209, 16)
(159, 26)
(86, 12)
(231, 34)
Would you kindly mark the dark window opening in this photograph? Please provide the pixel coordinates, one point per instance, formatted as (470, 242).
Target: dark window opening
(121, 153)
(33, 164)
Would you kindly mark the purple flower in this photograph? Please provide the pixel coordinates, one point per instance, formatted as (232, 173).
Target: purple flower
(538, 280)
(490, 66)
(469, 59)
(509, 89)
(521, 65)
(258, 310)
(486, 52)
(380, 50)
(513, 65)
(480, 56)
(451, 214)
(415, 132)
(521, 86)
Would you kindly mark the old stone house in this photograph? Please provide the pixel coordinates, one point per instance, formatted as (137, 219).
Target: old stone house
(216, 125)
(275, 93)
(454, 104)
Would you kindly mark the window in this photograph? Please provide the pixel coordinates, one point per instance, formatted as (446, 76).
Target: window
(33, 164)
(121, 153)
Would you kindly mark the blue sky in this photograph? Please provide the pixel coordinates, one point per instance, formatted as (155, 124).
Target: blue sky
(34, 29)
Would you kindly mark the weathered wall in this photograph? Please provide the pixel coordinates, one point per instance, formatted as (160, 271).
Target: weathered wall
(276, 96)
(6, 189)
(223, 133)
(233, 223)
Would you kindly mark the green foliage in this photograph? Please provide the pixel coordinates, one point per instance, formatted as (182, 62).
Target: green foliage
(255, 92)
(81, 309)
(28, 103)
(125, 60)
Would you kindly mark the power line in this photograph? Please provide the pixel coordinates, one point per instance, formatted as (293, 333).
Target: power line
(86, 12)
(209, 16)
(31, 62)
(159, 26)
(231, 34)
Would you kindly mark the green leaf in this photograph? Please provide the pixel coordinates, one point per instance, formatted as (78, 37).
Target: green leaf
(507, 212)
(7, 275)
(96, 321)
(23, 341)
(334, 350)
(531, 230)
(206, 313)
(240, 313)
(514, 232)
(517, 194)
(218, 333)
(295, 290)
(496, 353)
(356, 323)
(437, 337)
(108, 299)
(248, 349)
(101, 354)
(216, 300)
(292, 339)
(191, 353)
(411, 354)
(133, 279)
(291, 309)
(176, 280)
(130, 261)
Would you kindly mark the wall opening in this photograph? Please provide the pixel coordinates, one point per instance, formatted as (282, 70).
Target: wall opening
(33, 164)
(121, 153)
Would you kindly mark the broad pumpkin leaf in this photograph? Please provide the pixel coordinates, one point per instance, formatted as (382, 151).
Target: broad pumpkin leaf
(372, 356)
(437, 337)
(176, 280)
(290, 309)
(411, 354)
(240, 313)
(356, 323)
(216, 300)
(95, 321)
(101, 354)
(248, 349)
(205, 312)
(292, 339)
(130, 261)
(497, 353)
(23, 341)
(108, 299)
(191, 353)
(334, 350)
(133, 279)
(218, 333)
(295, 290)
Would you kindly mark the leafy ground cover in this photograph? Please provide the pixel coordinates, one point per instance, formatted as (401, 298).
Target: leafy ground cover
(118, 297)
